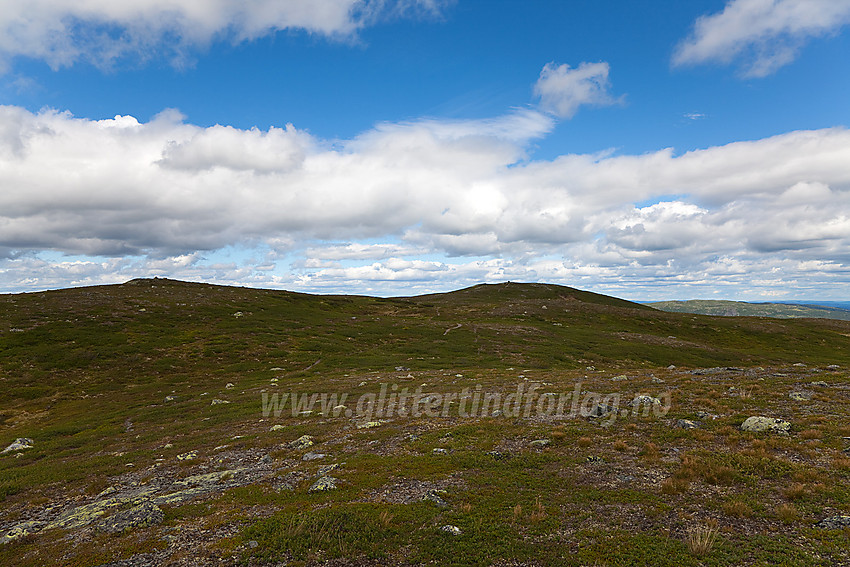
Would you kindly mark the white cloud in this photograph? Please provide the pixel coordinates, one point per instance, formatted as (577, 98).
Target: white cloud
(562, 90)
(764, 34)
(426, 203)
(62, 32)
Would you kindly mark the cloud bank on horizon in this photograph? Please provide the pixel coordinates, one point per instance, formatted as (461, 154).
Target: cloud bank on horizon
(413, 205)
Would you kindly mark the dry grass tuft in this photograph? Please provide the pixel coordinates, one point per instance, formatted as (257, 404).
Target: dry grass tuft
(796, 491)
(737, 509)
(674, 485)
(584, 442)
(517, 512)
(811, 434)
(386, 517)
(701, 539)
(620, 445)
(787, 513)
(539, 511)
(651, 452)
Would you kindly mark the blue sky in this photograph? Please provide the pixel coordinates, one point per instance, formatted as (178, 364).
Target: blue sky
(647, 149)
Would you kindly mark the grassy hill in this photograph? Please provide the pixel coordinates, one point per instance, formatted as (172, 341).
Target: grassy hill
(152, 439)
(742, 308)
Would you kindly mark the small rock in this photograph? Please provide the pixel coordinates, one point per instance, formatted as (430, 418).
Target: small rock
(819, 384)
(496, 413)
(440, 451)
(540, 443)
(327, 468)
(277, 427)
(402, 369)
(324, 484)
(833, 367)
(302, 442)
(800, 396)
(168, 446)
(671, 367)
(170, 398)
(497, 455)
(594, 459)
(253, 544)
(217, 401)
(267, 460)
(229, 386)
(141, 516)
(759, 424)
(311, 456)
(799, 365)
(657, 380)
(453, 530)
(19, 444)
(834, 523)
(599, 410)
(434, 496)
(643, 399)
(686, 424)
(191, 455)
(370, 424)
(620, 378)
(238, 314)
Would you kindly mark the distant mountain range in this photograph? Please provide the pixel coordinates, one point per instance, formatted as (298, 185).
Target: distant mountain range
(821, 310)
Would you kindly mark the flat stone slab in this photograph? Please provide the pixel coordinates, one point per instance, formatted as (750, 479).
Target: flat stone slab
(761, 424)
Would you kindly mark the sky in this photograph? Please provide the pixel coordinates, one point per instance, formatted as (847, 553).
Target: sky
(647, 149)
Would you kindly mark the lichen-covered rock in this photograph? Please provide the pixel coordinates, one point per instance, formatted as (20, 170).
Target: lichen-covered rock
(302, 442)
(800, 396)
(217, 401)
(370, 424)
(19, 444)
(21, 530)
(324, 484)
(686, 424)
(208, 479)
(453, 530)
(311, 456)
(644, 400)
(834, 523)
(540, 443)
(434, 496)
(277, 427)
(187, 456)
(86, 514)
(761, 424)
(327, 468)
(141, 516)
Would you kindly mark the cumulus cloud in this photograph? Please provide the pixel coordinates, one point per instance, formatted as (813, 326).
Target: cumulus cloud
(406, 204)
(62, 32)
(763, 34)
(562, 89)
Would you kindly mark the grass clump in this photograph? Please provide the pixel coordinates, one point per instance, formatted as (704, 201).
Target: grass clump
(701, 539)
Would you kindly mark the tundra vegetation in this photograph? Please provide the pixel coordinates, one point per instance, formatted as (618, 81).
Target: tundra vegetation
(134, 416)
